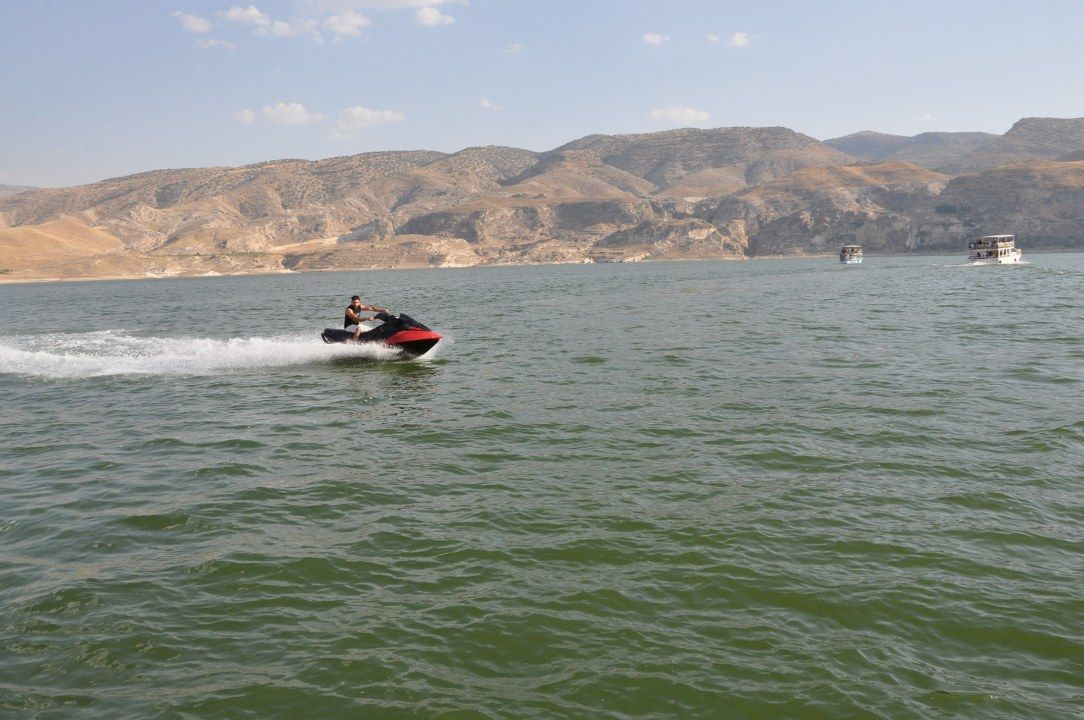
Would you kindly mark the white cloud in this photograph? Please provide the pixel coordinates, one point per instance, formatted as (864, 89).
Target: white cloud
(212, 42)
(485, 104)
(357, 118)
(513, 48)
(347, 23)
(927, 119)
(430, 16)
(280, 28)
(319, 7)
(250, 14)
(712, 38)
(680, 115)
(193, 23)
(290, 114)
(341, 18)
(740, 39)
(291, 28)
(244, 116)
(655, 38)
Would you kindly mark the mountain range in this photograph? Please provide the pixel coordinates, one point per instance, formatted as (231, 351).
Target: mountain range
(14, 189)
(722, 193)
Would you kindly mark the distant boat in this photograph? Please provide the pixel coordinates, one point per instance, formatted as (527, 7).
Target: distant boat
(993, 250)
(851, 255)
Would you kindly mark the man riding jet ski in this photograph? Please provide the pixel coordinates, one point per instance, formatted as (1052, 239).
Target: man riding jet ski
(402, 332)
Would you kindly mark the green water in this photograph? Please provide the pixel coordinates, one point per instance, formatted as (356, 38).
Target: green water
(773, 489)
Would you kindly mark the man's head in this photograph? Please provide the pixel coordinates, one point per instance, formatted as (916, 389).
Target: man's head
(355, 300)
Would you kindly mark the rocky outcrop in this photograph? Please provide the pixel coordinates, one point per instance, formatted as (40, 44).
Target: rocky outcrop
(670, 238)
(818, 209)
(1042, 202)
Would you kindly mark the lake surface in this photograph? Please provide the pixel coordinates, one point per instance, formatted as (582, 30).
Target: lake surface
(769, 489)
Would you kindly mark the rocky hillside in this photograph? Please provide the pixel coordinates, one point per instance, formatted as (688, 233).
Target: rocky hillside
(816, 210)
(1029, 139)
(14, 189)
(898, 207)
(1042, 201)
(739, 156)
(724, 193)
(480, 205)
(933, 150)
(967, 152)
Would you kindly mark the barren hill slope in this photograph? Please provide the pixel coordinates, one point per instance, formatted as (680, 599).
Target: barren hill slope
(14, 189)
(819, 209)
(1028, 139)
(896, 207)
(932, 150)
(1042, 201)
(868, 145)
(728, 192)
(492, 204)
(753, 154)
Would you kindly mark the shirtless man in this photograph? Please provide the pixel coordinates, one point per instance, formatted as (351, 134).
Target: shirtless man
(352, 322)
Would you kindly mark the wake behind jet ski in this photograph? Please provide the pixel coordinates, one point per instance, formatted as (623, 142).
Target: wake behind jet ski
(402, 332)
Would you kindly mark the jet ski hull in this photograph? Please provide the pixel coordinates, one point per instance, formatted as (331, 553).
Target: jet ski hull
(403, 333)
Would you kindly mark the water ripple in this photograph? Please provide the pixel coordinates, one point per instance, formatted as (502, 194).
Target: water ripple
(816, 494)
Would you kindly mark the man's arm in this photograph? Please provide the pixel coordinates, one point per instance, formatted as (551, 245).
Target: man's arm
(353, 315)
(373, 308)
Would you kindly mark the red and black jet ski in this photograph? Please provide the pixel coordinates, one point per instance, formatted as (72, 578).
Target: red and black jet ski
(402, 332)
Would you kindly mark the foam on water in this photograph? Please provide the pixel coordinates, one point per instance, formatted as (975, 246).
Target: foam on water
(965, 263)
(116, 352)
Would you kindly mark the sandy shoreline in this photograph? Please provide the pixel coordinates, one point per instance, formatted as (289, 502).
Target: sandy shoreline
(35, 280)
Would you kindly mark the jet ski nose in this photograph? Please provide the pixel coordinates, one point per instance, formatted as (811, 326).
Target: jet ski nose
(414, 342)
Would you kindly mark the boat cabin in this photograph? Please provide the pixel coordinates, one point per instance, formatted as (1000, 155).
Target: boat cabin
(850, 254)
(993, 248)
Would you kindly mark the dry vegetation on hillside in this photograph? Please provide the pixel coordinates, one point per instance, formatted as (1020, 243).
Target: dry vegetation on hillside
(724, 193)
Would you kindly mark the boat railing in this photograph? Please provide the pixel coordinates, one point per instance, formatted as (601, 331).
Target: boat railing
(990, 245)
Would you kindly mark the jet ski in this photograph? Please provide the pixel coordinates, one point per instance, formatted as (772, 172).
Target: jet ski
(402, 332)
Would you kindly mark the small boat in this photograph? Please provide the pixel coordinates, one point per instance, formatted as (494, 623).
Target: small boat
(401, 332)
(851, 255)
(994, 250)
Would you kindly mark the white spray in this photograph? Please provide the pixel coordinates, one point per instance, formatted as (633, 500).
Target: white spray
(113, 352)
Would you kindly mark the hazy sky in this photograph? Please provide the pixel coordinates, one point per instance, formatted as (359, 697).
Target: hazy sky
(97, 89)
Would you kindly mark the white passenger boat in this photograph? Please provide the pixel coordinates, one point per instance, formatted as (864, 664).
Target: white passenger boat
(851, 255)
(993, 250)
